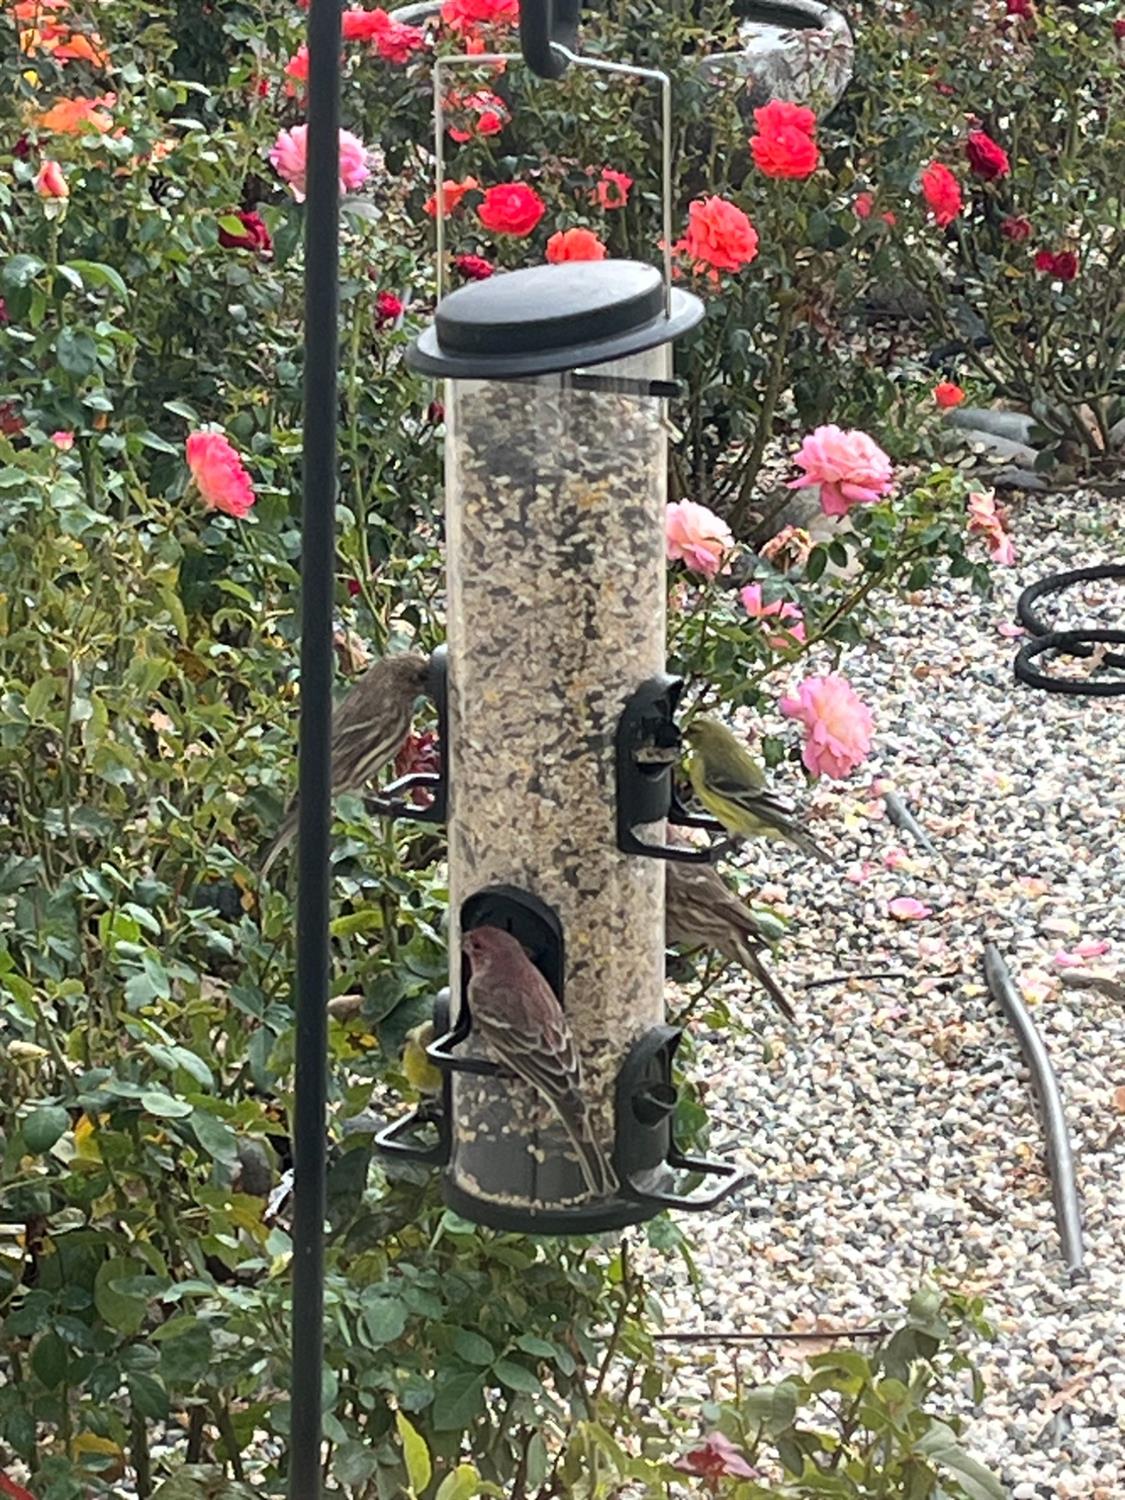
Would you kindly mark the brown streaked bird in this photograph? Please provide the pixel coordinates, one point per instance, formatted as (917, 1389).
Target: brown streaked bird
(368, 730)
(516, 1012)
(701, 911)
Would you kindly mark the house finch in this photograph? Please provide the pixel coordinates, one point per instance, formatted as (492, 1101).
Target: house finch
(731, 785)
(700, 911)
(368, 730)
(515, 1011)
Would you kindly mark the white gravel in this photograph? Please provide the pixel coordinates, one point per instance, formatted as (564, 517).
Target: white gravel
(898, 1133)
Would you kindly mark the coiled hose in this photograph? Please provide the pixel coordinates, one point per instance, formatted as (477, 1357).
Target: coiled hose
(1071, 642)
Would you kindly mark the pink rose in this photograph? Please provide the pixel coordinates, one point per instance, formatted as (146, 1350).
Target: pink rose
(219, 474)
(784, 610)
(850, 468)
(289, 154)
(63, 441)
(985, 520)
(696, 537)
(837, 725)
(50, 181)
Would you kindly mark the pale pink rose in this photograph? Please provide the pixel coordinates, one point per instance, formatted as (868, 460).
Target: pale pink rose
(788, 615)
(696, 537)
(850, 468)
(289, 158)
(63, 441)
(906, 909)
(50, 181)
(219, 473)
(837, 725)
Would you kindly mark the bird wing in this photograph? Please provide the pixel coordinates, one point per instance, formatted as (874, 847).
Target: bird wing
(527, 1029)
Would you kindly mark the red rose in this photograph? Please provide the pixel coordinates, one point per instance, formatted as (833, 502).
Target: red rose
(785, 145)
(388, 308)
(947, 394)
(435, 413)
(987, 159)
(1016, 230)
(1119, 29)
(611, 189)
(297, 71)
(1061, 265)
(361, 25)
(464, 16)
(511, 208)
(1020, 8)
(255, 236)
(719, 237)
(864, 205)
(941, 191)
(475, 267)
(10, 420)
(3, 312)
(395, 42)
(574, 244)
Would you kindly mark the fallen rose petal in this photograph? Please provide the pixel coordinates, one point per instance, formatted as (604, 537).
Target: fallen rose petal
(861, 872)
(1006, 628)
(907, 909)
(895, 858)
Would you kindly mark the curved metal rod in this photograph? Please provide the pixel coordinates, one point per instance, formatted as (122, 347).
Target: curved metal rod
(1060, 1156)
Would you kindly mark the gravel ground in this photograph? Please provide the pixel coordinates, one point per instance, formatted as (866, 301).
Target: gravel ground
(897, 1134)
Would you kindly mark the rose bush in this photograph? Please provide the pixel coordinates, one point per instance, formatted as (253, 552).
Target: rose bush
(152, 172)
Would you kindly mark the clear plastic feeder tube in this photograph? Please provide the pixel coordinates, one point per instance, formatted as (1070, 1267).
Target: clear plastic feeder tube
(555, 525)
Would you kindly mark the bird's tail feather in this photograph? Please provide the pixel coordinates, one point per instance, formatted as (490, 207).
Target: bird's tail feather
(754, 965)
(279, 841)
(807, 844)
(599, 1175)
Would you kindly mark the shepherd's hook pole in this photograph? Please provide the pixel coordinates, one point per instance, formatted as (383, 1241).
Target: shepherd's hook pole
(322, 249)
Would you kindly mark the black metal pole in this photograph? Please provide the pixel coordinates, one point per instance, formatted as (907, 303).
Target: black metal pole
(322, 247)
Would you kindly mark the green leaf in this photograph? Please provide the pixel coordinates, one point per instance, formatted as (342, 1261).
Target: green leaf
(50, 1359)
(43, 1127)
(215, 1136)
(148, 1396)
(164, 1106)
(771, 1407)
(123, 1313)
(818, 561)
(77, 353)
(185, 1357)
(384, 1319)
(517, 1377)
(419, 1469)
(940, 1444)
(459, 1398)
(97, 273)
(473, 1348)
(21, 270)
(538, 1347)
(462, 1484)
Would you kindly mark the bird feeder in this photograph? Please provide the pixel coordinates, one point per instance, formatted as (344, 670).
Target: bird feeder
(559, 731)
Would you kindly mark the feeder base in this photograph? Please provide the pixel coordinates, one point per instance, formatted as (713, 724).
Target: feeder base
(598, 1218)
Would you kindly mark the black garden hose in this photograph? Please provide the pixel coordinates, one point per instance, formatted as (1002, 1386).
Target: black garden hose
(1071, 642)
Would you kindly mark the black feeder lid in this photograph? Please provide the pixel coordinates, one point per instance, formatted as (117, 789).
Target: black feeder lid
(550, 318)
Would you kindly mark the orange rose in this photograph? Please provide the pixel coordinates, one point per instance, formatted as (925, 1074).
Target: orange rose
(574, 244)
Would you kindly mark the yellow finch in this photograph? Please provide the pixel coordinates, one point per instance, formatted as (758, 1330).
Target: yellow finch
(731, 785)
(420, 1072)
(368, 730)
(701, 911)
(515, 1011)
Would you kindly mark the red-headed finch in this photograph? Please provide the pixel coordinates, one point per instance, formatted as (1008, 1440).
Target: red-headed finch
(515, 1011)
